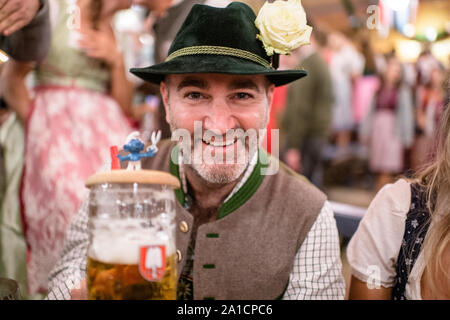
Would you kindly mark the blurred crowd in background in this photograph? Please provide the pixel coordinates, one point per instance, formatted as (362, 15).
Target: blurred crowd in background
(360, 107)
(360, 118)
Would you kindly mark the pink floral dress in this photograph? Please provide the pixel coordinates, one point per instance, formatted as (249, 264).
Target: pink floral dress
(72, 124)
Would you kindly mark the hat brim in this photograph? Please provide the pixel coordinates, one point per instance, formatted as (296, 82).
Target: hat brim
(215, 64)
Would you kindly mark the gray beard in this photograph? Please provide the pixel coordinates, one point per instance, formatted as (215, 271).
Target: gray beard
(223, 175)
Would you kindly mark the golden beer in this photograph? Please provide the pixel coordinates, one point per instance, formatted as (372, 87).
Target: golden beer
(124, 282)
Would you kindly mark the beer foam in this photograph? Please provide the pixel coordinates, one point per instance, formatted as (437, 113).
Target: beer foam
(118, 241)
(166, 194)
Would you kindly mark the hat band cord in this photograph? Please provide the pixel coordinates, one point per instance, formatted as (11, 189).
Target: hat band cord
(218, 50)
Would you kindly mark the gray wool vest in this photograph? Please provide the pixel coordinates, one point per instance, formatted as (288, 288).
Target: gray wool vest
(248, 252)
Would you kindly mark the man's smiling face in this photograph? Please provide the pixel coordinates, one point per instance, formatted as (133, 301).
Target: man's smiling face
(221, 103)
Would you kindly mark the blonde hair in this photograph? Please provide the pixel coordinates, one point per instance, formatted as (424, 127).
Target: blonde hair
(435, 178)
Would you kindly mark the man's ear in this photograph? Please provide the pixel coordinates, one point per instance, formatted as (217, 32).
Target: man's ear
(270, 93)
(165, 99)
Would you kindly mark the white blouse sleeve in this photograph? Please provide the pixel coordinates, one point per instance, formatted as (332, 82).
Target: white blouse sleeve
(373, 250)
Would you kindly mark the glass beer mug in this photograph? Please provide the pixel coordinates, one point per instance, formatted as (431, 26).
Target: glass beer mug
(132, 252)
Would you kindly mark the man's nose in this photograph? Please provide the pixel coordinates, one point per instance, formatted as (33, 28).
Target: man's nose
(219, 118)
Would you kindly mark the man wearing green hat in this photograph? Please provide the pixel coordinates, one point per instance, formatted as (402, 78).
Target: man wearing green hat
(249, 228)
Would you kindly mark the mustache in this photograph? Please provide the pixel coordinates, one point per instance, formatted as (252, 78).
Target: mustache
(249, 137)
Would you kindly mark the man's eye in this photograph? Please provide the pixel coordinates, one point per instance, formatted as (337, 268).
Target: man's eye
(243, 96)
(193, 95)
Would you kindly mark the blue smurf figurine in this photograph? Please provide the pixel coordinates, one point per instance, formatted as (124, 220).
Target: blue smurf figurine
(134, 146)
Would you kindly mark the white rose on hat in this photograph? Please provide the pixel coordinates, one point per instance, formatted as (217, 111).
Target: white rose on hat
(283, 26)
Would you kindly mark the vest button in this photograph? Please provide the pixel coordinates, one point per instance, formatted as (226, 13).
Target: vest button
(184, 226)
(179, 257)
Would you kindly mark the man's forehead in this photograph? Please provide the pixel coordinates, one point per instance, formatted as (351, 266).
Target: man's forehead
(206, 80)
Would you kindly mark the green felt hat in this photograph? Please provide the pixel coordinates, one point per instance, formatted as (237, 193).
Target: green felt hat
(218, 40)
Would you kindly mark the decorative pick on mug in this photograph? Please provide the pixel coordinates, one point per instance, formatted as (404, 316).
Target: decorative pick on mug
(115, 162)
(134, 146)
